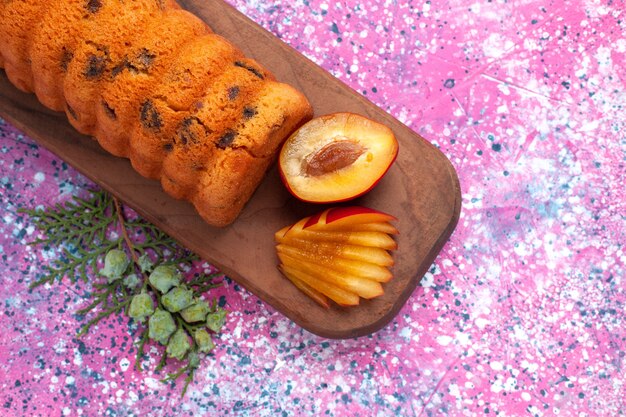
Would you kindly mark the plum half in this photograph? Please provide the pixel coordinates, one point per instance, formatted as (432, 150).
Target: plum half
(336, 157)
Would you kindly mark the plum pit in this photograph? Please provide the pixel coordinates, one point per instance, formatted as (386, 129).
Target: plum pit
(340, 153)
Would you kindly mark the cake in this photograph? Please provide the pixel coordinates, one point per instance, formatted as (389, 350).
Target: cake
(17, 20)
(141, 68)
(152, 83)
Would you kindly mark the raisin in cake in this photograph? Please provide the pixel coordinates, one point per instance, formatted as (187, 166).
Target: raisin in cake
(152, 83)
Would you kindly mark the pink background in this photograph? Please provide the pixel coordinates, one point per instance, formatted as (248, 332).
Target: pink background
(523, 312)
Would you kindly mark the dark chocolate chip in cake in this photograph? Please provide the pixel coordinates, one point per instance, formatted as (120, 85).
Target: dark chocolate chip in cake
(226, 139)
(149, 116)
(109, 111)
(249, 113)
(66, 58)
(144, 60)
(233, 92)
(95, 66)
(97, 62)
(93, 5)
(250, 68)
(190, 130)
(119, 68)
(141, 63)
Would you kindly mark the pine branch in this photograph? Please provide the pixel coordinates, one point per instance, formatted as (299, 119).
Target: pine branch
(142, 342)
(116, 309)
(73, 228)
(87, 231)
(172, 377)
(162, 362)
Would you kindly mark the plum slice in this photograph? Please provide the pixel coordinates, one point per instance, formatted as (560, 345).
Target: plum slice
(337, 255)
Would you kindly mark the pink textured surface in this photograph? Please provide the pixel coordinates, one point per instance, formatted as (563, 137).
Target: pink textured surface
(523, 313)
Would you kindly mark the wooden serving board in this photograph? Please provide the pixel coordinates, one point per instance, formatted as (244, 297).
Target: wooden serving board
(421, 189)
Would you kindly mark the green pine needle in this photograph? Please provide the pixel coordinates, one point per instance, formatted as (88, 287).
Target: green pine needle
(79, 229)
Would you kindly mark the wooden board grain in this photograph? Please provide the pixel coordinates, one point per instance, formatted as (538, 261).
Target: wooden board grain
(421, 189)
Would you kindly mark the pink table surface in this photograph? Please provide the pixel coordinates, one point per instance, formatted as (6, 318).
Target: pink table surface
(523, 312)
